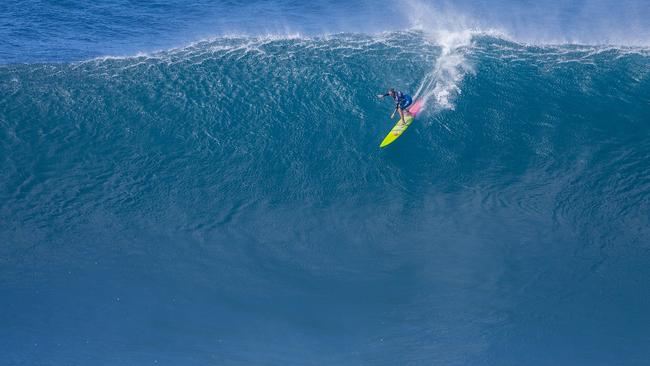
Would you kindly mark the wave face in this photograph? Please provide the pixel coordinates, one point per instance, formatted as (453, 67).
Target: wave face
(227, 203)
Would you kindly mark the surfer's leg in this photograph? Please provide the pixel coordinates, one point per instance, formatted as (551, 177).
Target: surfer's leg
(404, 107)
(407, 104)
(401, 113)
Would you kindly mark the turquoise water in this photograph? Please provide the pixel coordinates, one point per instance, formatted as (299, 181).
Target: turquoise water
(226, 203)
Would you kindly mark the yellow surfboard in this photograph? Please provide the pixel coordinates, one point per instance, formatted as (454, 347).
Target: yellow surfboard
(400, 126)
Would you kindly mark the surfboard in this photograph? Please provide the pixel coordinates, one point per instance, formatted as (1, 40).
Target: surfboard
(400, 127)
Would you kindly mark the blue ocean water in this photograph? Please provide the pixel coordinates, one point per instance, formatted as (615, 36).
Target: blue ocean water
(200, 183)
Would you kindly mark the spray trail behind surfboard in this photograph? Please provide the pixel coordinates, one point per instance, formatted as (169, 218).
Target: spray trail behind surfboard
(453, 33)
(442, 84)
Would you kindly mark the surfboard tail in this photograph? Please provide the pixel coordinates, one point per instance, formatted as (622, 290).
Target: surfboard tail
(416, 107)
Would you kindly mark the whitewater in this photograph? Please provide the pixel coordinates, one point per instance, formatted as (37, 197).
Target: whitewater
(224, 201)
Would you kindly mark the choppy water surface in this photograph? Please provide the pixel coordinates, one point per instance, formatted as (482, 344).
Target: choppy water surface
(226, 203)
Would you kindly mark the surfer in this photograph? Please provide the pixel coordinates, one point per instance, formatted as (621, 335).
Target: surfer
(402, 101)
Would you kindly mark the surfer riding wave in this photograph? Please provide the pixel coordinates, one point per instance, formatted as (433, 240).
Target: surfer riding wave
(402, 102)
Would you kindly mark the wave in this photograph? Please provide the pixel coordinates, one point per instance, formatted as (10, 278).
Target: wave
(232, 95)
(243, 172)
(450, 62)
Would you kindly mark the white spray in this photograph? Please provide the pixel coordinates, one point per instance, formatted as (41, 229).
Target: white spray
(448, 30)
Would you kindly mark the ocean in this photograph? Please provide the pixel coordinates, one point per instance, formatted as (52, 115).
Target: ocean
(200, 183)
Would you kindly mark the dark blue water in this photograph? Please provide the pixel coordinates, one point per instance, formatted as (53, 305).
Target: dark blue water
(223, 201)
